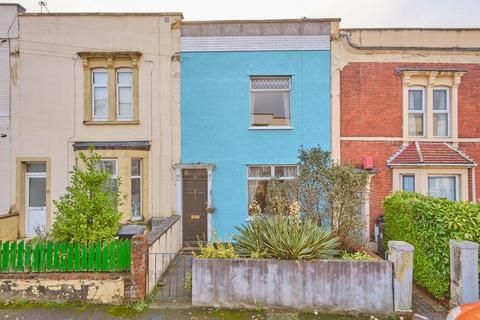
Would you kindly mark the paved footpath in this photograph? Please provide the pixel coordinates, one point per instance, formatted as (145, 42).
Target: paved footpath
(426, 308)
(100, 313)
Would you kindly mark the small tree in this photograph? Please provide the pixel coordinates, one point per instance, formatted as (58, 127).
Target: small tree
(331, 193)
(88, 211)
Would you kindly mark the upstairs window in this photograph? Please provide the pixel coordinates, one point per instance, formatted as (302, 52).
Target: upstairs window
(124, 94)
(416, 112)
(270, 101)
(441, 112)
(100, 94)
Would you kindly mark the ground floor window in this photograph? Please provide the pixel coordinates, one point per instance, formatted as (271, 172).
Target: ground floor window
(450, 183)
(443, 187)
(136, 188)
(110, 166)
(408, 182)
(259, 179)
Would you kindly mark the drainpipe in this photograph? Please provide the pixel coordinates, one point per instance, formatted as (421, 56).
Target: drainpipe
(474, 184)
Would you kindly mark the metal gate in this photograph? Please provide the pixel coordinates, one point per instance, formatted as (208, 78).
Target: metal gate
(172, 274)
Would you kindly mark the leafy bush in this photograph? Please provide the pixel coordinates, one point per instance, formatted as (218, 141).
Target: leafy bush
(217, 250)
(88, 211)
(345, 255)
(428, 224)
(284, 237)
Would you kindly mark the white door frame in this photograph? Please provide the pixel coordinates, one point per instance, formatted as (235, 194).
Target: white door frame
(29, 175)
(179, 190)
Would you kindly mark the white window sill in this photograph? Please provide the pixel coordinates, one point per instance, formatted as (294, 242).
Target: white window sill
(136, 218)
(270, 128)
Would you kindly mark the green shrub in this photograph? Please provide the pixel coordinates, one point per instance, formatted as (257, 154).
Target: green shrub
(88, 211)
(217, 250)
(284, 237)
(345, 255)
(428, 224)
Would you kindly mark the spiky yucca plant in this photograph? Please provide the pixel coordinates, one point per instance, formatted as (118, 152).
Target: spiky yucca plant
(285, 237)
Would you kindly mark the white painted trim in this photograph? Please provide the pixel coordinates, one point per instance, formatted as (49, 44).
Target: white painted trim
(474, 186)
(179, 191)
(255, 43)
(400, 139)
(271, 128)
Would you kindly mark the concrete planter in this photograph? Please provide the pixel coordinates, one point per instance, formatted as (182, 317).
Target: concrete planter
(332, 285)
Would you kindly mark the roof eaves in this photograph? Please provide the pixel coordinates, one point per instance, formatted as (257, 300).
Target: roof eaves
(396, 154)
(461, 153)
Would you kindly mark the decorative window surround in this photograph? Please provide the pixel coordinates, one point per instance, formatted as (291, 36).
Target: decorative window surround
(431, 79)
(112, 61)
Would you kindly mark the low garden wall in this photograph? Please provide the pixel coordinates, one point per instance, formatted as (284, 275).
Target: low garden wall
(106, 288)
(329, 285)
(110, 273)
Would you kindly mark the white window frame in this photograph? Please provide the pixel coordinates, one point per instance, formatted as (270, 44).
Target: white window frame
(447, 111)
(457, 183)
(408, 175)
(423, 111)
(138, 177)
(118, 86)
(289, 90)
(94, 70)
(102, 160)
(271, 177)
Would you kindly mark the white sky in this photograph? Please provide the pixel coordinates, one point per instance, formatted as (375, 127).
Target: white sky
(354, 13)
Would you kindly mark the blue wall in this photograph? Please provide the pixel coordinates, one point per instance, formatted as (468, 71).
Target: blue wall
(215, 117)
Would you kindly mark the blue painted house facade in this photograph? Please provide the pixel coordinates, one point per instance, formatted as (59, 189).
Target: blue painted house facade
(252, 93)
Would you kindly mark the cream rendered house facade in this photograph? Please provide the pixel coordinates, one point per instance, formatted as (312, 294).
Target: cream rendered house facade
(103, 79)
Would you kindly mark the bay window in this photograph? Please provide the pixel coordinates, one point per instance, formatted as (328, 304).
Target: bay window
(443, 187)
(408, 182)
(136, 188)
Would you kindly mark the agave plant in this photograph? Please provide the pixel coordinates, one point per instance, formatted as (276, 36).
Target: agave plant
(285, 237)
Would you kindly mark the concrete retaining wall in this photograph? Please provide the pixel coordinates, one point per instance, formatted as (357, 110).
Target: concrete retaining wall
(333, 285)
(63, 287)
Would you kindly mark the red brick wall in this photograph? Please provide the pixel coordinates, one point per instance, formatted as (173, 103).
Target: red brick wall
(381, 183)
(371, 99)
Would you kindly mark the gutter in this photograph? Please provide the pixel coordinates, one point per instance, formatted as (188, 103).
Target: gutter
(346, 35)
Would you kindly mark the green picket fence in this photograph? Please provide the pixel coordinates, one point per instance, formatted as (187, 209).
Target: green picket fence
(52, 256)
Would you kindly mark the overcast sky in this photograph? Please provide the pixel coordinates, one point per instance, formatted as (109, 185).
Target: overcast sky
(354, 13)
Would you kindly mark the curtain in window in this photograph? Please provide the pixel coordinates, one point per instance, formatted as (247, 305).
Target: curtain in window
(408, 183)
(442, 187)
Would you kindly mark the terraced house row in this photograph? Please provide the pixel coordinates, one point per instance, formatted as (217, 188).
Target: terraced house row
(197, 117)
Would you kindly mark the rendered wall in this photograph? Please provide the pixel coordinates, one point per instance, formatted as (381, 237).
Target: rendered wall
(215, 119)
(48, 93)
(333, 286)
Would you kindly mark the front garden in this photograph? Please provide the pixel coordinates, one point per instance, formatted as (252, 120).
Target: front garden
(300, 249)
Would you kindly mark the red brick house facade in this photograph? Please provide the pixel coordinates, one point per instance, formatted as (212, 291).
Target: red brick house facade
(418, 120)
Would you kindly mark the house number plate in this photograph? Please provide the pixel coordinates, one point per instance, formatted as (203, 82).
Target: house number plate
(195, 217)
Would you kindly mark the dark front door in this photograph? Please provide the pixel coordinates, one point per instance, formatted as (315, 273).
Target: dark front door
(194, 205)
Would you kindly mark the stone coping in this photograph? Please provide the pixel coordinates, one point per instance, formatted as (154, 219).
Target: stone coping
(159, 227)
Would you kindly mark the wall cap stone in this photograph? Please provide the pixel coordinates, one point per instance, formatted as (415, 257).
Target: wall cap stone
(400, 245)
(463, 244)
